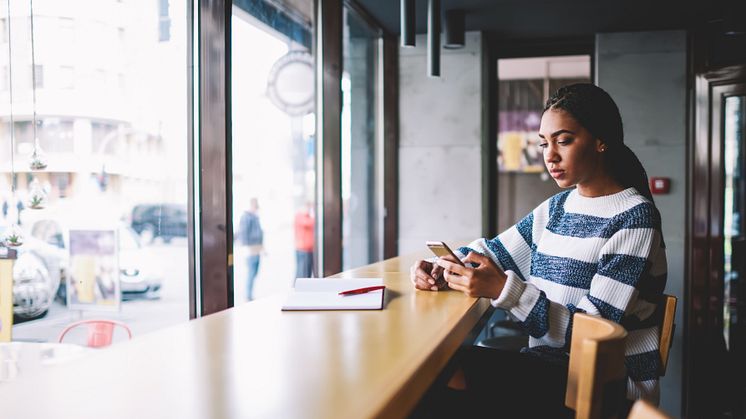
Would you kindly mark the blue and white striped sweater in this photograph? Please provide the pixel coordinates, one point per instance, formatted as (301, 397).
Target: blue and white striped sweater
(604, 256)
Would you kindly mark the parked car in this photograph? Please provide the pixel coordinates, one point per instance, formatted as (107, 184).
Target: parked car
(165, 221)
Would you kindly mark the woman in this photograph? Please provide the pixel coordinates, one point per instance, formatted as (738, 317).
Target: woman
(596, 249)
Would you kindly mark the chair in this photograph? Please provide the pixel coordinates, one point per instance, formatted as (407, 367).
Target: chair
(642, 409)
(596, 366)
(667, 329)
(100, 332)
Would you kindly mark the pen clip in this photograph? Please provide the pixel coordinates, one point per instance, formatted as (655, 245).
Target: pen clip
(362, 290)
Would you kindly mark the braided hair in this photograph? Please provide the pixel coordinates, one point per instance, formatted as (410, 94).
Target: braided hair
(596, 111)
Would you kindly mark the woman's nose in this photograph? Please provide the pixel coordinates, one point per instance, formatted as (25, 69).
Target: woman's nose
(551, 155)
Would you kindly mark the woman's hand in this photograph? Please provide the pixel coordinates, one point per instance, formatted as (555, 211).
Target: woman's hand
(427, 276)
(486, 280)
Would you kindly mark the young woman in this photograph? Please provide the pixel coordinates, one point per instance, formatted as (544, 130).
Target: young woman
(596, 248)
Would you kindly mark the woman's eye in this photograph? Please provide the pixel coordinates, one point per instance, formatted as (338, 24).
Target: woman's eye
(564, 141)
(542, 145)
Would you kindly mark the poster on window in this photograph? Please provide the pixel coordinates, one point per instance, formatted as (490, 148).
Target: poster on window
(93, 282)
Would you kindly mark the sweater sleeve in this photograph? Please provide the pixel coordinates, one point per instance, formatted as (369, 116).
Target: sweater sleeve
(623, 265)
(511, 250)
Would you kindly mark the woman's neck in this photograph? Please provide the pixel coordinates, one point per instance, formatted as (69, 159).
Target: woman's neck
(599, 186)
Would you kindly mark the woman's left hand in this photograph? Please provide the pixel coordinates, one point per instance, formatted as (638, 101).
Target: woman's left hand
(485, 280)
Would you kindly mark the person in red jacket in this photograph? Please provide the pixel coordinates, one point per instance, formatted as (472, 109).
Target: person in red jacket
(304, 238)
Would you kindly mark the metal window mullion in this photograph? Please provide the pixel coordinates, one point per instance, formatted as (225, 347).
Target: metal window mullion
(328, 47)
(215, 247)
(390, 105)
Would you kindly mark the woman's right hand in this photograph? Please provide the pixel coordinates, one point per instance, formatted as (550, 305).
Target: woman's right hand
(427, 276)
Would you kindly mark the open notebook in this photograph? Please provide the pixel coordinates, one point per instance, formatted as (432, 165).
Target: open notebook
(323, 294)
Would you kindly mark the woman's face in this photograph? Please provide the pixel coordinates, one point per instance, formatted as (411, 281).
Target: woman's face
(571, 154)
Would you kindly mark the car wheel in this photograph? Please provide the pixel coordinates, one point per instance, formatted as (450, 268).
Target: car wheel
(147, 235)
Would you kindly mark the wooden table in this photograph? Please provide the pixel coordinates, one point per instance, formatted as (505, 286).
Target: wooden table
(257, 361)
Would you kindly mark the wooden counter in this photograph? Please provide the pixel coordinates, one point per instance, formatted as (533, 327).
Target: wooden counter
(257, 361)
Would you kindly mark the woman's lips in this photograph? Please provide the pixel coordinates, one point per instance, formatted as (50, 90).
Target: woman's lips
(557, 173)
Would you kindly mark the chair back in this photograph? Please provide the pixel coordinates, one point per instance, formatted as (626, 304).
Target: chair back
(643, 409)
(100, 332)
(596, 364)
(667, 329)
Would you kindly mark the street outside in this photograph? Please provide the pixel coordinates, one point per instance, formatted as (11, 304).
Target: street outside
(141, 315)
(145, 315)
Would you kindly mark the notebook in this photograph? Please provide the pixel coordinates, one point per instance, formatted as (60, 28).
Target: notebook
(323, 294)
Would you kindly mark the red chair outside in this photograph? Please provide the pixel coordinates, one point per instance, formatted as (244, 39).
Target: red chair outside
(100, 332)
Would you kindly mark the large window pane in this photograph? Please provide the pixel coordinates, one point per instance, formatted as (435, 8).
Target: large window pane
(111, 104)
(361, 154)
(273, 146)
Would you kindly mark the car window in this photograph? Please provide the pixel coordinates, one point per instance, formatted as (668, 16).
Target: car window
(48, 231)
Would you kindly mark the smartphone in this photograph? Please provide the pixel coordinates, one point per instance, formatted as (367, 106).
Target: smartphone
(441, 249)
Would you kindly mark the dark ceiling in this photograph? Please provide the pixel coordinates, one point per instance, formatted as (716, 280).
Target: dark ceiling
(561, 18)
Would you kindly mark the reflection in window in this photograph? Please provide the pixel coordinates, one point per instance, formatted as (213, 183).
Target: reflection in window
(273, 147)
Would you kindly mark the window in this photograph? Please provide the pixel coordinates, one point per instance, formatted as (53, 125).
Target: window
(65, 31)
(67, 77)
(273, 146)
(164, 21)
(361, 146)
(38, 76)
(110, 151)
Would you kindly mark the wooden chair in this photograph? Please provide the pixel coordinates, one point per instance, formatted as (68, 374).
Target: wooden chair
(643, 409)
(667, 329)
(596, 365)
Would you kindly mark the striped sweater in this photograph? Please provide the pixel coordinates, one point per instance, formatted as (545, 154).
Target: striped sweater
(603, 256)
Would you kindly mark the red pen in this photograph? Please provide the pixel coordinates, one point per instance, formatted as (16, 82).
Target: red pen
(362, 290)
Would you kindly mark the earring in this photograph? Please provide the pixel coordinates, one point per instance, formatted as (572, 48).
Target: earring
(603, 148)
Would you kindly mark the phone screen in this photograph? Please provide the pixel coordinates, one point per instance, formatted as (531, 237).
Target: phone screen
(441, 249)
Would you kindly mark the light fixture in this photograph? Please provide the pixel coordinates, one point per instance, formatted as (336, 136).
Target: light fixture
(408, 23)
(12, 236)
(38, 159)
(454, 29)
(433, 38)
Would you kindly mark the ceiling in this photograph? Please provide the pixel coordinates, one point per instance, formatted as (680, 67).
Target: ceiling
(526, 19)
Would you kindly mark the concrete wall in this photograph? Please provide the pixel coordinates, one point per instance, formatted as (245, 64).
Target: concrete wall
(439, 152)
(645, 73)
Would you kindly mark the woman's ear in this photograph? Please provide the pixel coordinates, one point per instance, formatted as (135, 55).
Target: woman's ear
(600, 146)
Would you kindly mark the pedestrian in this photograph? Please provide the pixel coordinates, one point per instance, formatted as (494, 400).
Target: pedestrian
(252, 237)
(304, 238)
